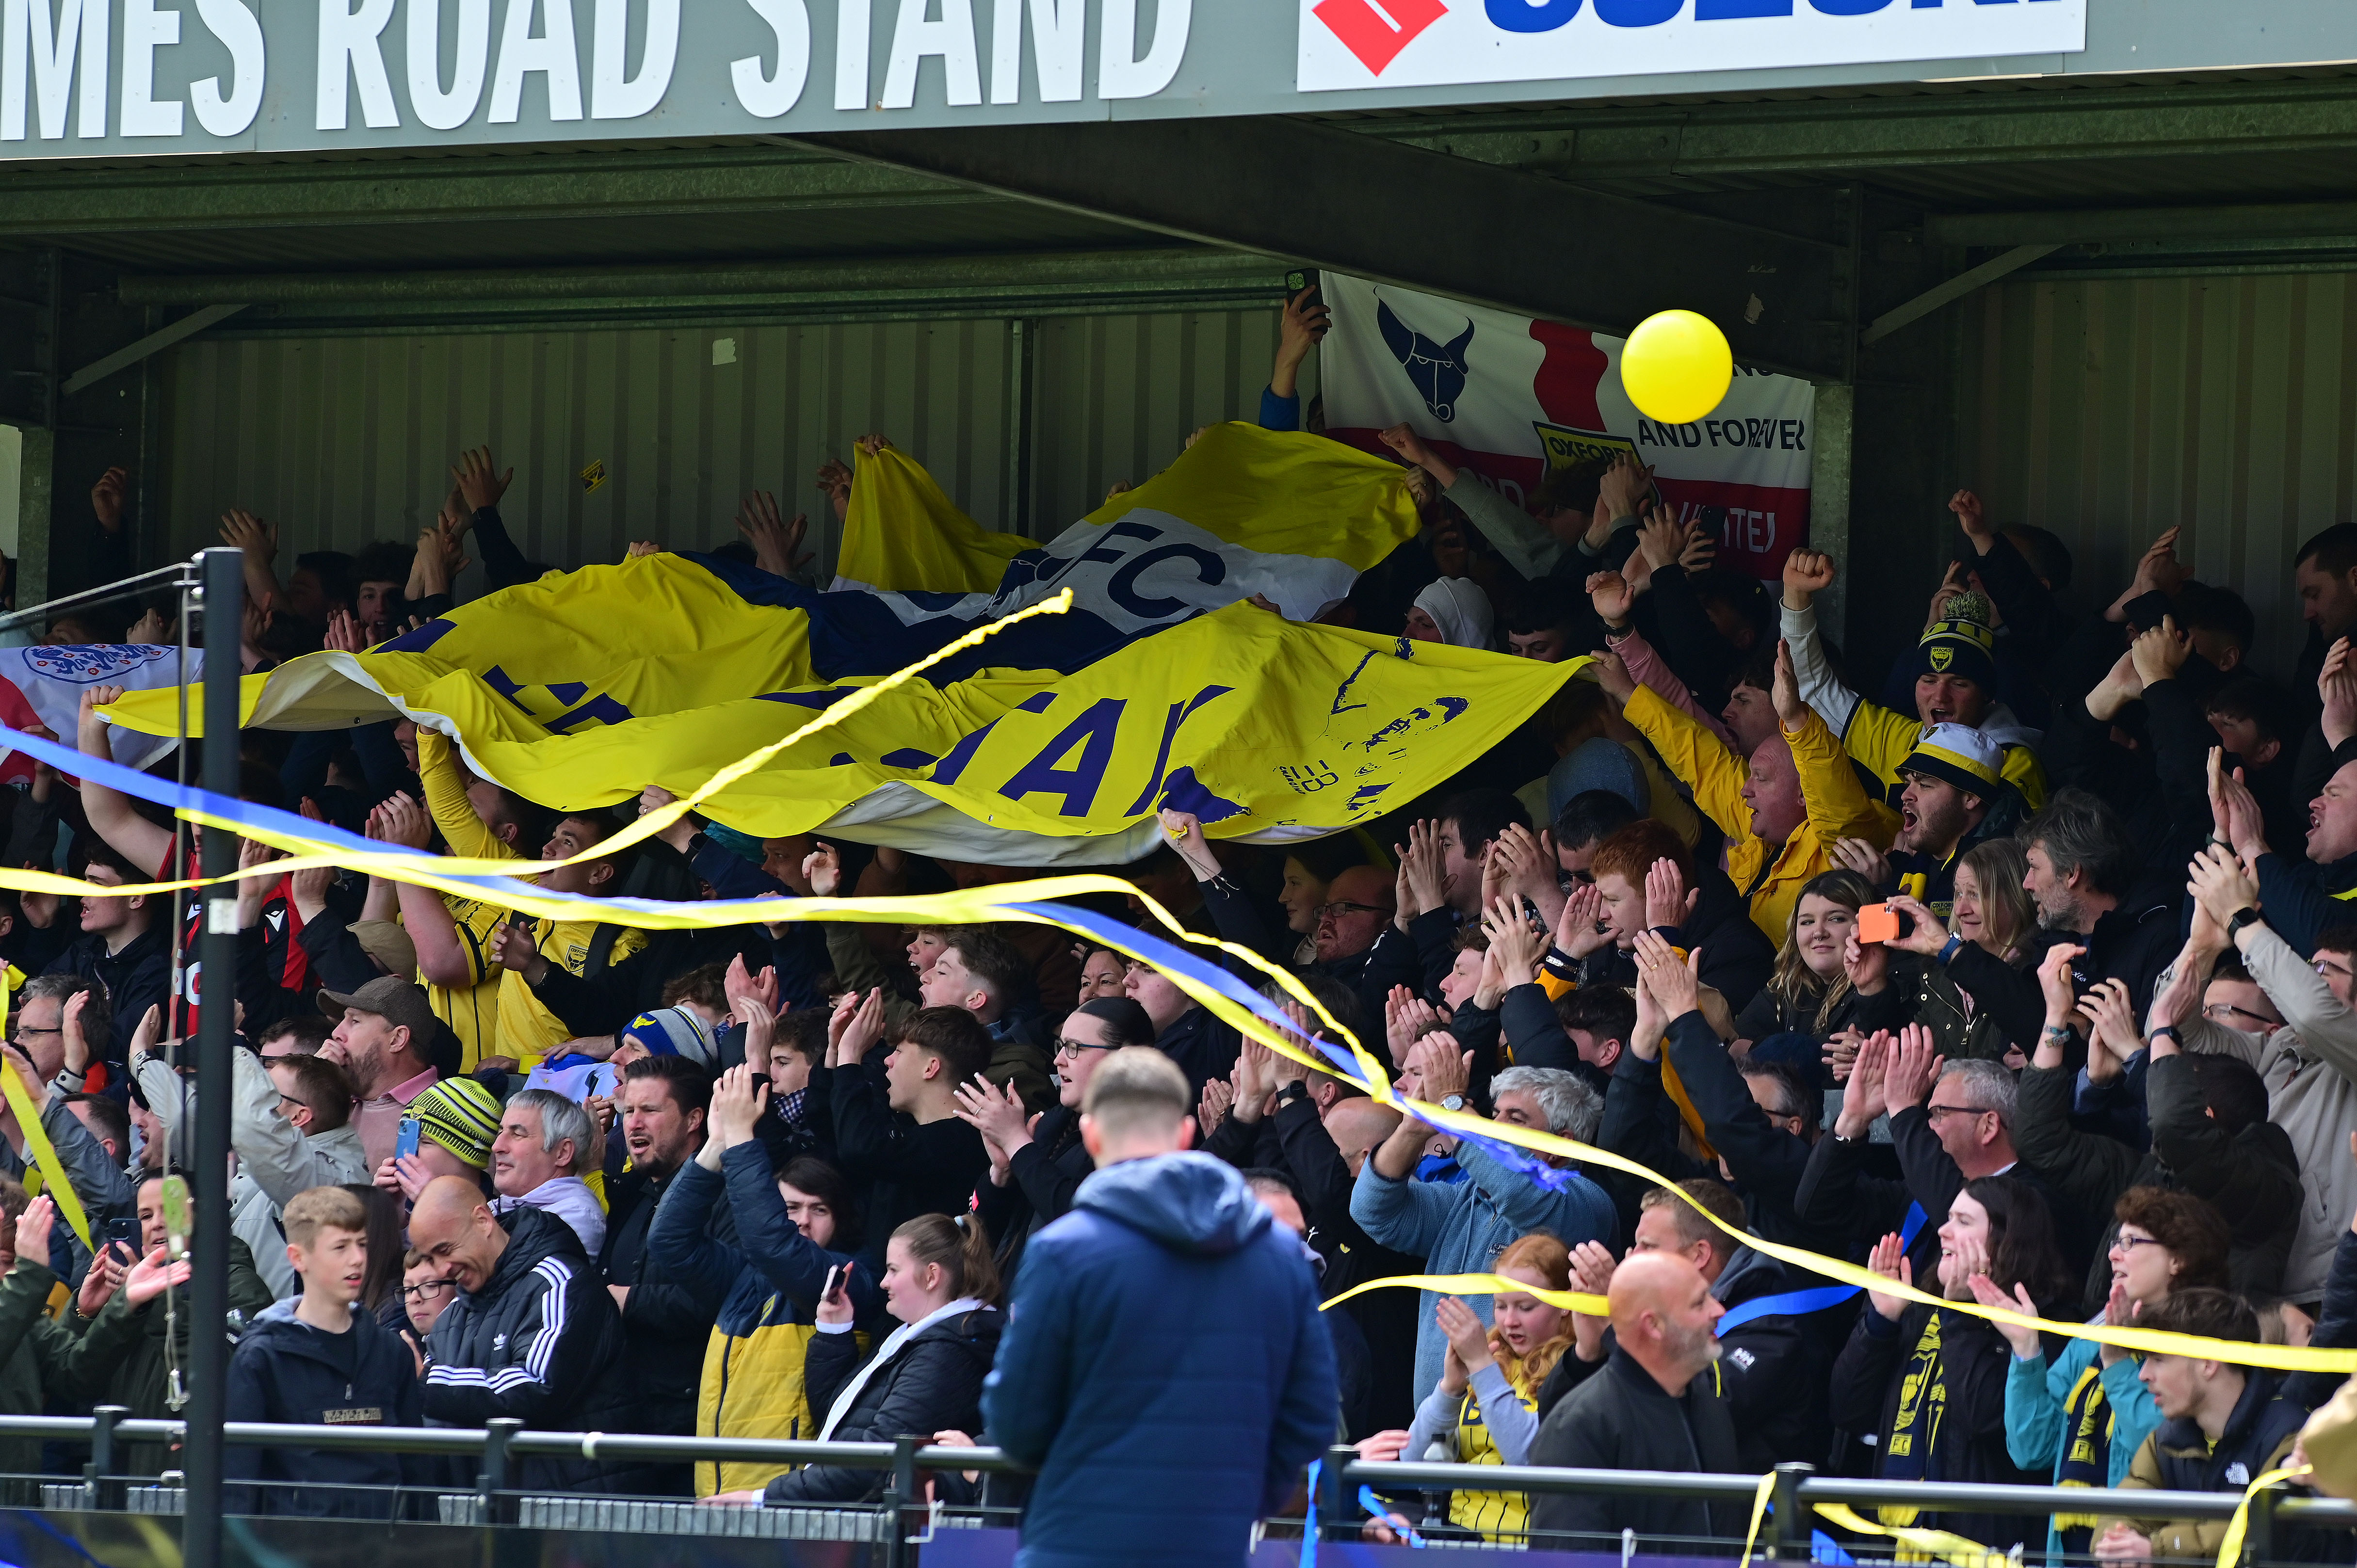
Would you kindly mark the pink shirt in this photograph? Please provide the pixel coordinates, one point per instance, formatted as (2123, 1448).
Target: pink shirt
(1646, 668)
(379, 1120)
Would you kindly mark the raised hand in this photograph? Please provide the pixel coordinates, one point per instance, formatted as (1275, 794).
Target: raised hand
(2220, 884)
(1613, 595)
(1967, 507)
(1661, 539)
(1185, 832)
(863, 1028)
(343, 634)
(822, 869)
(2056, 983)
(1612, 675)
(835, 482)
(1668, 901)
(1701, 549)
(1673, 982)
(739, 1098)
(1444, 1068)
(33, 1230)
(995, 1113)
(2338, 687)
(1467, 1336)
(1859, 856)
(69, 1025)
(1862, 1096)
(106, 498)
(1516, 949)
(1576, 929)
(1915, 1064)
(480, 485)
(1305, 323)
(1867, 964)
(151, 1276)
(1807, 573)
(1888, 1259)
(399, 819)
(1218, 1096)
(776, 543)
(1791, 711)
(2113, 1037)
(1421, 860)
(2160, 651)
(2025, 1343)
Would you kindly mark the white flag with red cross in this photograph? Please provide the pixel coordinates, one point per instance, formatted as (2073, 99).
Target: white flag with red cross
(1510, 396)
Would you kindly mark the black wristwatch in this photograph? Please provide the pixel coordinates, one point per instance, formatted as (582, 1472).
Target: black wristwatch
(2248, 915)
(1292, 1092)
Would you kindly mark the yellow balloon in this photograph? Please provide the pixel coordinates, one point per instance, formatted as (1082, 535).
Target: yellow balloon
(1676, 367)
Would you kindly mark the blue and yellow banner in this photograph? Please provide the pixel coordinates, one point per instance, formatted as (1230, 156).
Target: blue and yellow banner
(1166, 682)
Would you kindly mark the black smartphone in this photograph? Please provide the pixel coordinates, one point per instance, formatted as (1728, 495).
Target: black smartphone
(835, 1281)
(124, 1233)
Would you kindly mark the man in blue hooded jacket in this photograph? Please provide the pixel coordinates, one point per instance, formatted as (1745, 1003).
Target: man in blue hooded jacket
(1163, 1364)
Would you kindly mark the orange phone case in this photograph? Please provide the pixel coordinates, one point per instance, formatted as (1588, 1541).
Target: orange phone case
(1876, 923)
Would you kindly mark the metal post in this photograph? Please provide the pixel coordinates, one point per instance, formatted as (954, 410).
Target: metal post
(105, 1493)
(1792, 1539)
(494, 1480)
(2259, 1527)
(901, 1494)
(224, 576)
(1337, 1519)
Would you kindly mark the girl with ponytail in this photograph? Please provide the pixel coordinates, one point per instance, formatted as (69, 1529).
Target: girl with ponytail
(926, 1376)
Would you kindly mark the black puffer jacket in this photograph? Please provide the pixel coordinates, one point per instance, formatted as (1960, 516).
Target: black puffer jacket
(541, 1342)
(932, 1383)
(287, 1371)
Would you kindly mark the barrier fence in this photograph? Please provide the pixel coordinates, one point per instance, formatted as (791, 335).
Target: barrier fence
(895, 1530)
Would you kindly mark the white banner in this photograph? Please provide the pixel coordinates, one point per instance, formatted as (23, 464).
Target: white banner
(1508, 397)
(1348, 44)
(41, 688)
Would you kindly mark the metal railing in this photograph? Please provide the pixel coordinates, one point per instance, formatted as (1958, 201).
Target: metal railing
(906, 1520)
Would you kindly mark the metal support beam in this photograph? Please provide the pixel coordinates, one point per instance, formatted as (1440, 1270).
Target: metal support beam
(1015, 484)
(1833, 423)
(179, 331)
(225, 619)
(1354, 203)
(2274, 220)
(1955, 288)
(603, 185)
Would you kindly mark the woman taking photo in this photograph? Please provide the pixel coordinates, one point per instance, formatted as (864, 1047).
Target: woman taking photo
(1931, 1383)
(926, 1376)
(1485, 1409)
(1823, 984)
(2081, 1415)
(1992, 911)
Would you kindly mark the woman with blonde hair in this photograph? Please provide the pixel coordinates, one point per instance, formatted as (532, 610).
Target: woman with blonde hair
(1992, 911)
(1819, 987)
(1485, 1409)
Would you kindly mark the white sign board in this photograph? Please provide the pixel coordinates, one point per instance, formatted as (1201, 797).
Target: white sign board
(1361, 44)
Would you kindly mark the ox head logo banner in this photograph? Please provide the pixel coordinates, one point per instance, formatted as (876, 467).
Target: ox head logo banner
(1437, 370)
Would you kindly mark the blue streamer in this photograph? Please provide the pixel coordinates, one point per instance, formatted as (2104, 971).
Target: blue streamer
(1377, 1508)
(1797, 1303)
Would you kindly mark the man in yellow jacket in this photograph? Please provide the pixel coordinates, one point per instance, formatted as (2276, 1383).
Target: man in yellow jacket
(1781, 809)
(1955, 682)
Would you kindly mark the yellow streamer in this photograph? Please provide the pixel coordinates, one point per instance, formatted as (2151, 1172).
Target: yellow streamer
(980, 905)
(37, 1144)
(1759, 1512)
(2230, 1550)
(1480, 1285)
(1941, 1545)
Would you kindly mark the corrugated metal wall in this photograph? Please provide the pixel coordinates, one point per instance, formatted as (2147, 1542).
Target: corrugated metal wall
(2110, 409)
(341, 441)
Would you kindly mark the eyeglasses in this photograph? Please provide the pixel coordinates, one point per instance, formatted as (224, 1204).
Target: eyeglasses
(2124, 1242)
(1933, 1112)
(1340, 907)
(2218, 1011)
(1074, 1048)
(23, 1029)
(2327, 968)
(424, 1288)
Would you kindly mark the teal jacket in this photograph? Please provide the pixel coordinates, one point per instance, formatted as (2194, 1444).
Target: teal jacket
(2036, 1393)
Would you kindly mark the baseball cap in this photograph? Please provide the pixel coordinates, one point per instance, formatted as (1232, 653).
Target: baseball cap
(396, 1001)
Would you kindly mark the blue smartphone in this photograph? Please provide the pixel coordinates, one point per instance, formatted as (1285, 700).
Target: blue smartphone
(405, 1148)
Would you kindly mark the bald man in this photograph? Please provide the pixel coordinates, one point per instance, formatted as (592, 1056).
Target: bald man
(1651, 1406)
(533, 1335)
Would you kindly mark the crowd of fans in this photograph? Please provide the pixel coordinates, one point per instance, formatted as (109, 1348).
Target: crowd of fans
(2018, 972)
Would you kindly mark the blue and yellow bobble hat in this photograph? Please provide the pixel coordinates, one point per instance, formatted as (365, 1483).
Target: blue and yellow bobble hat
(1959, 755)
(1960, 643)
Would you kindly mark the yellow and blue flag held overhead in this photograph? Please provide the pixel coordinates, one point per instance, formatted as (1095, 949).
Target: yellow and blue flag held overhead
(1051, 744)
